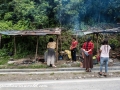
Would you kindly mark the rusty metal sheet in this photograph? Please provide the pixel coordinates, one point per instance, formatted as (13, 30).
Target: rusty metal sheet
(54, 31)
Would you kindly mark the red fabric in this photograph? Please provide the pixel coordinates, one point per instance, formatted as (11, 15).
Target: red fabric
(98, 58)
(90, 46)
(74, 44)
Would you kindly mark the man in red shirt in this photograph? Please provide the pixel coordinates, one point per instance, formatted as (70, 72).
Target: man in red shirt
(73, 48)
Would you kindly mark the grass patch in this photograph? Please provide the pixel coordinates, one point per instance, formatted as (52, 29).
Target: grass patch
(2, 75)
(4, 64)
(63, 65)
(4, 60)
(78, 64)
(33, 66)
(52, 73)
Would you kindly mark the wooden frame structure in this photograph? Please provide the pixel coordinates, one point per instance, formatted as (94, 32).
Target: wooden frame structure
(39, 32)
(97, 32)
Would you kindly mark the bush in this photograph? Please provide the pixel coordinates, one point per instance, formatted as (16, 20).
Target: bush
(3, 52)
(115, 42)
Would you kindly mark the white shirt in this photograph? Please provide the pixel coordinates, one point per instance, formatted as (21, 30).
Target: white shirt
(105, 49)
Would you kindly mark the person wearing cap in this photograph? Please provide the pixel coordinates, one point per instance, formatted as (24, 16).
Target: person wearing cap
(87, 48)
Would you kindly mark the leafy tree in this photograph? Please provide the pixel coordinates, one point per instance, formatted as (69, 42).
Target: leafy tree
(26, 14)
(71, 14)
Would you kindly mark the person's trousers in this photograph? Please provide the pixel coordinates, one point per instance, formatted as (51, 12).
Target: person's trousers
(73, 54)
(104, 61)
(50, 56)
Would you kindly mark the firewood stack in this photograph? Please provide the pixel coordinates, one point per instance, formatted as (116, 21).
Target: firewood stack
(115, 55)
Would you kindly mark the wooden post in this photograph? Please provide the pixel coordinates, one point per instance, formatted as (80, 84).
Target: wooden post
(56, 48)
(60, 43)
(97, 41)
(46, 42)
(14, 45)
(0, 40)
(78, 47)
(36, 48)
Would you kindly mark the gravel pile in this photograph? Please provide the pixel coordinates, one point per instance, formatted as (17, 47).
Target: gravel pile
(55, 76)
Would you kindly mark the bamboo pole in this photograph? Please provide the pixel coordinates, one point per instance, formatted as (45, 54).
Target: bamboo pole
(97, 41)
(56, 48)
(78, 43)
(46, 42)
(36, 48)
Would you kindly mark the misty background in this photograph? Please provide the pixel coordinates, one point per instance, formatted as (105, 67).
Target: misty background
(71, 14)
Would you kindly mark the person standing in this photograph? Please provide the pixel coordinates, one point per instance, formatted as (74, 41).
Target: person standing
(73, 48)
(104, 57)
(88, 47)
(51, 53)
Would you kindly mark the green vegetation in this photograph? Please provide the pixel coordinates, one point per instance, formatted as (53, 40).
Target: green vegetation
(52, 73)
(72, 14)
(38, 14)
(32, 66)
(114, 41)
(3, 60)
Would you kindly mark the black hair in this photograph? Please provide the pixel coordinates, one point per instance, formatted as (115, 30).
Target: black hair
(74, 38)
(89, 39)
(105, 42)
(51, 40)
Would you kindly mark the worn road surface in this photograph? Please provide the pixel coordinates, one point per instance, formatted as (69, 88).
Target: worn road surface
(75, 84)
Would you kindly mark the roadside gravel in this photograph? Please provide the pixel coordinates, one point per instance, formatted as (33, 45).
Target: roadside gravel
(59, 76)
(54, 76)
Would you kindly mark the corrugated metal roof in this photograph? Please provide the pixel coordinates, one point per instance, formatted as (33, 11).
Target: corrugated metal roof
(113, 30)
(55, 31)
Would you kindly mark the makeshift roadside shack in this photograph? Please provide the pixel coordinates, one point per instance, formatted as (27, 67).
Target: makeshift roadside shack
(39, 32)
(97, 32)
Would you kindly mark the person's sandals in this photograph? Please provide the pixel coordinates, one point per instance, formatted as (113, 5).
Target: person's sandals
(81, 66)
(99, 73)
(105, 75)
(54, 66)
(87, 70)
